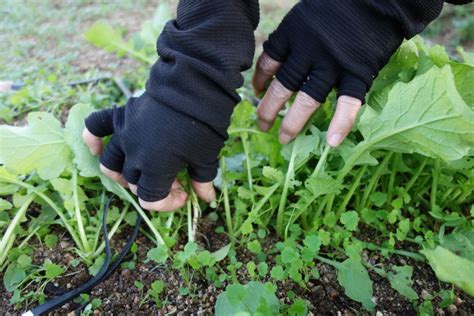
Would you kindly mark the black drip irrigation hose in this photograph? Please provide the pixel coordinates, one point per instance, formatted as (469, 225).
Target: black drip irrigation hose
(105, 271)
(14, 86)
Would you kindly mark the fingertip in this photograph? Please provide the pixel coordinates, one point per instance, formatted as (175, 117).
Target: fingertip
(343, 120)
(335, 139)
(133, 188)
(93, 142)
(204, 190)
(176, 199)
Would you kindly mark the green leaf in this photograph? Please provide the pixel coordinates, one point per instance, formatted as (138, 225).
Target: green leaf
(262, 269)
(220, 254)
(426, 116)
(248, 300)
(468, 57)
(289, 255)
(464, 79)
(13, 276)
(452, 268)
(278, 273)
(105, 36)
(87, 164)
(40, 147)
(273, 174)
(5, 205)
(254, 246)
(52, 270)
(353, 276)
(313, 242)
(95, 268)
(322, 184)
(304, 146)
(461, 243)
(400, 280)
(298, 308)
(157, 287)
(51, 241)
(159, 254)
(350, 220)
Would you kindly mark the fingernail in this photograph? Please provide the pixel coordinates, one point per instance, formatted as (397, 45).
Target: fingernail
(285, 138)
(335, 139)
(264, 126)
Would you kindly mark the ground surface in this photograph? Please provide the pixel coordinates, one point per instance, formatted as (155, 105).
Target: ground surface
(40, 38)
(325, 296)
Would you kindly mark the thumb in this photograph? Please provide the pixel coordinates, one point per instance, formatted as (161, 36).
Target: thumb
(94, 143)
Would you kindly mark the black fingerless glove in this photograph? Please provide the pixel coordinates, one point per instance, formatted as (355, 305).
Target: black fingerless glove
(182, 118)
(151, 143)
(343, 43)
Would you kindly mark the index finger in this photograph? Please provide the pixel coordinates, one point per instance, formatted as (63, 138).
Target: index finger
(265, 69)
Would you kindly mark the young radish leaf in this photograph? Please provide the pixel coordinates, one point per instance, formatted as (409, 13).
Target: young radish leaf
(40, 146)
(250, 299)
(355, 279)
(400, 280)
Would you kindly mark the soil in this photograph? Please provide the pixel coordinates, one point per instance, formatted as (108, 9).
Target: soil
(324, 296)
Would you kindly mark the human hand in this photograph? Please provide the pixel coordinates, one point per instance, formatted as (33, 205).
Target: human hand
(317, 48)
(150, 144)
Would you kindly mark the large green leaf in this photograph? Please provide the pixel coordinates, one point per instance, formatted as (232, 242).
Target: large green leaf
(87, 164)
(452, 268)
(426, 116)
(38, 146)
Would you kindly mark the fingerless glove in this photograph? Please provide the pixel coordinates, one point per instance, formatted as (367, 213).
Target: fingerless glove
(182, 118)
(343, 43)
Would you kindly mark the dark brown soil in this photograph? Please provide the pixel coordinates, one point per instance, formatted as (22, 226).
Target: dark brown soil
(324, 296)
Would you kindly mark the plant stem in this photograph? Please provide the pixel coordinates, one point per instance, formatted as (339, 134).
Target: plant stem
(351, 191)
(225, 191)
(196, 212)
(321, 162)
(416, 175)
(8, 237)
(159, 240)
(82, 232)
(333, 263)
(374, 179)
(256, 209)
(391, 180)
(434, 185)
(190, 221)
(284, 194)
(245, 144)
(53, 205)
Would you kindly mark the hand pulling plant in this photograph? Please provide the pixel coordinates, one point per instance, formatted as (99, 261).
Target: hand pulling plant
(405, 175)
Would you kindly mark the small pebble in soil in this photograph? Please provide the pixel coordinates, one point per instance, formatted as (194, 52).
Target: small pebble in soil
(425, 295)
(452, 309)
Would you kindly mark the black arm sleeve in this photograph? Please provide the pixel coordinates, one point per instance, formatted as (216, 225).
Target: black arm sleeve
(202, 53)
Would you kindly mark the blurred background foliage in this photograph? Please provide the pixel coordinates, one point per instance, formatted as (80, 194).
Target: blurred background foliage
(42, 44)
